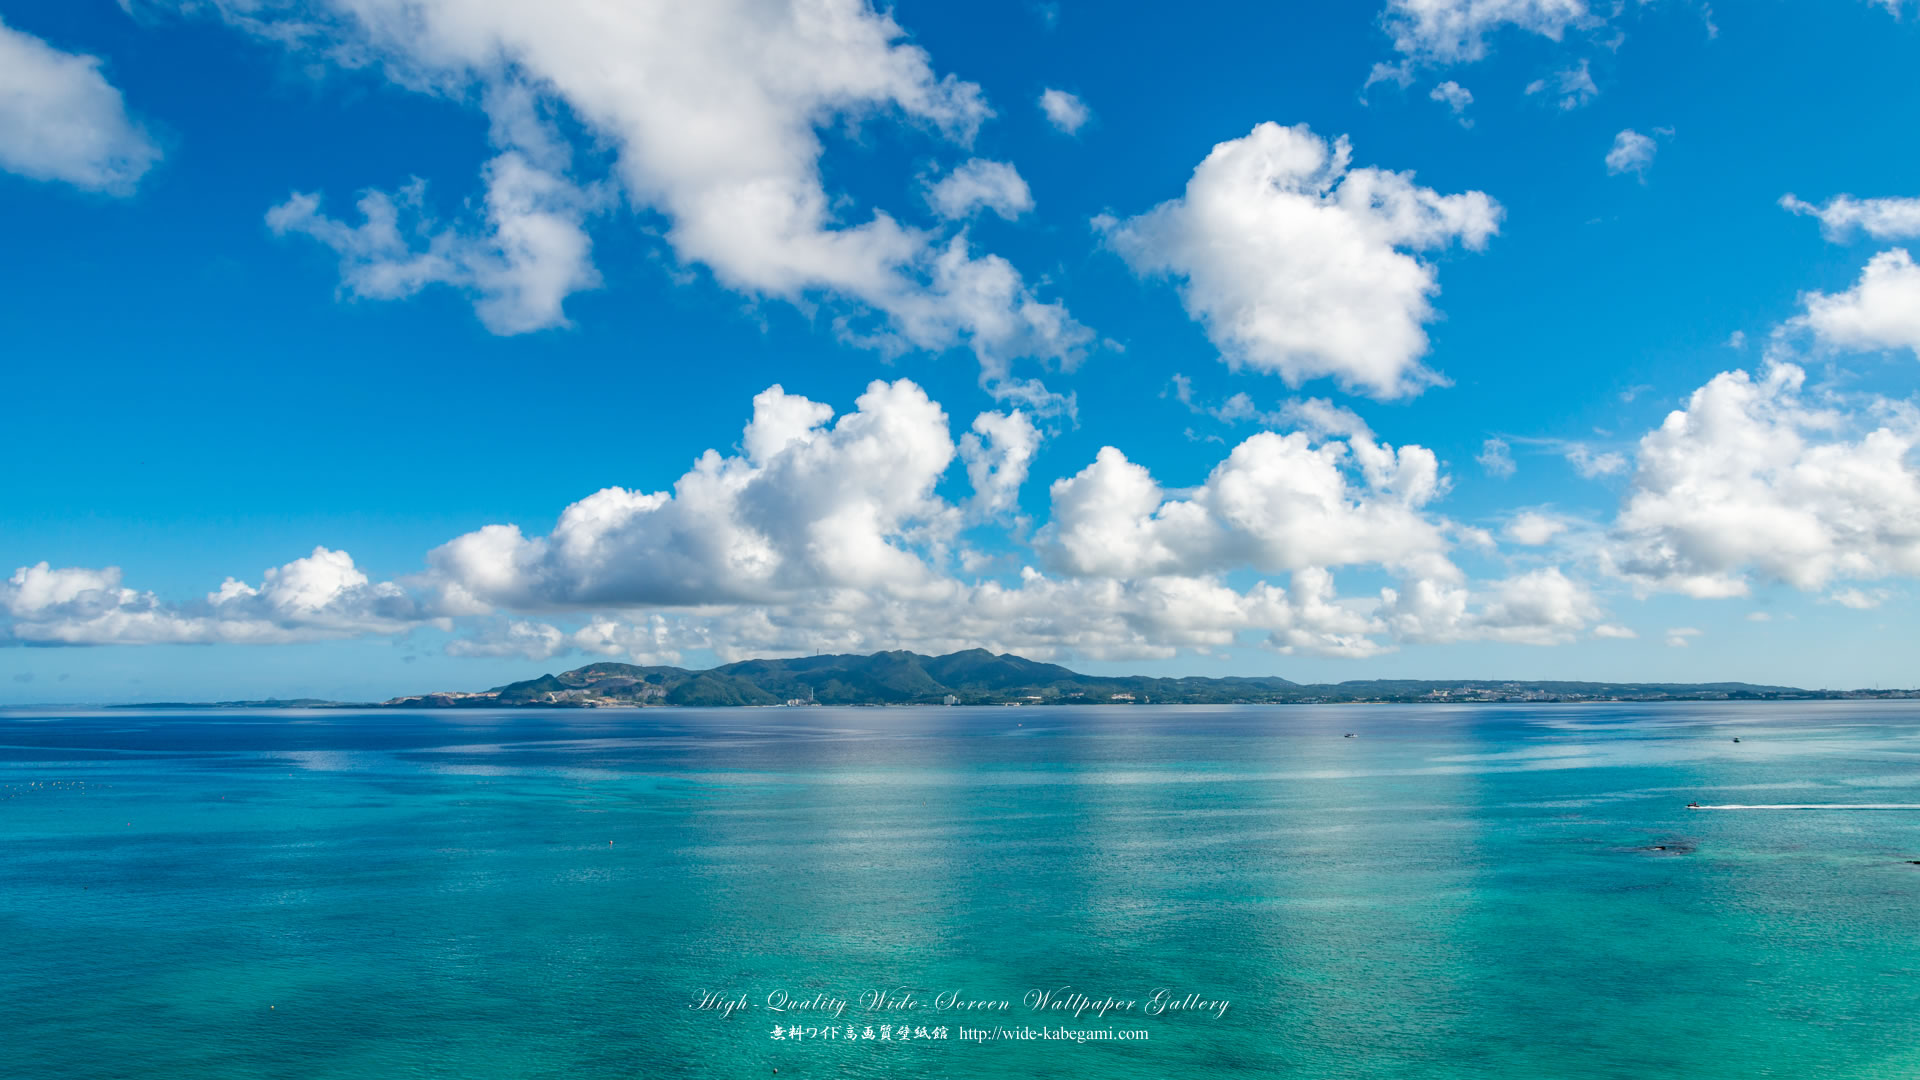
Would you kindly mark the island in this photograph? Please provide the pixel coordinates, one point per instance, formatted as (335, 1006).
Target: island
(980, 677)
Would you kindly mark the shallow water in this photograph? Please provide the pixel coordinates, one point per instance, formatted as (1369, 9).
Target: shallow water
(1457, 891)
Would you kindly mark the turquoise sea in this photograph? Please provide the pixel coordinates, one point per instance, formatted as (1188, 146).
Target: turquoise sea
(1455, 891)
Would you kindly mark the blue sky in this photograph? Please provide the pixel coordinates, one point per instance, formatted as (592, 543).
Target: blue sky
(1557, 226)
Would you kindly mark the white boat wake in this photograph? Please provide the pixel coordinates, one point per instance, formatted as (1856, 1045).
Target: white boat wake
(1811, 806)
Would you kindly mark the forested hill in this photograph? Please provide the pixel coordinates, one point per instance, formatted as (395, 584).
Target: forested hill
(978, 677)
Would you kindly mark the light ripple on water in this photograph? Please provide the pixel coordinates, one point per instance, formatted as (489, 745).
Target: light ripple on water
(1495, 893)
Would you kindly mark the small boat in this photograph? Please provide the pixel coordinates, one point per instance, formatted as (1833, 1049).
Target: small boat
(1348, 735)
(1693, 806)
(1736, 739)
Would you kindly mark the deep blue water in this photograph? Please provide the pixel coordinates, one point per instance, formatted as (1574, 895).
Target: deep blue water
(1500, 891)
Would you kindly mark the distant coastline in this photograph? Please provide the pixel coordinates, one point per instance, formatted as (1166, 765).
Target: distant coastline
(979, 677)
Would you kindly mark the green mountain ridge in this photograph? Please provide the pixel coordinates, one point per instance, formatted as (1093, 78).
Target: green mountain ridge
(979, 677)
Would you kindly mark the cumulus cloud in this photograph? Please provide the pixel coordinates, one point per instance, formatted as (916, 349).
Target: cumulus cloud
(1881, 311)
(813, 510)
(1284, 503)
(1532, 528)
(1277, 503)
(1497, 458)
(1455, 97)
(1572, 87)
(1677, 636)
(1632, 152)
(1540, 607)
(532, 253)
(977, 185)
(1614, 630)
(1054, 616)
(828, 533)
(60, 119)
(1860, 599)
(1066, 112)
(1881, 219)
(998, 452)
(323, 595)
(1319, 417)
(1452, 31)
(1298, 264)
(1592, 463)
(712, 115)
(650, 641)
(831, 532)
(520, 638)
(1400, 75)
(1753, 480)
(808, 505)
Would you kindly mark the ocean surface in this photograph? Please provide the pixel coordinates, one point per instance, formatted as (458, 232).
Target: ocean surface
(1455, 891)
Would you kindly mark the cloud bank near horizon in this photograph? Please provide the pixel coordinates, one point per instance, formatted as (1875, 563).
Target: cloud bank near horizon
(877, 528)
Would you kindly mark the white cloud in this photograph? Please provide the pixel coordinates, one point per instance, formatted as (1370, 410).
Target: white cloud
(1497, 458)
(1066, 112)
(1882, 219)
(998, 452)
(829, 535)
(651, 641)
(1045, 616)
(1451, 31)
(1677, 636)
(1752, 480)
(1280, 503)
(980, 184)
(1455, 97)
(1319, 418)
(826, 532)
(1099, 618)
(1614, 630)
(1182, 387)
(1533, 528)
(1298, 264)
(60, 119)
(808, 506)
(1400, 75)
(1860, 599)
(1881, 311)
(1235, 409)
(1277, 503)
(1573, 86)
(1475, 537)
(1759, 616)
(711, 113)
(532, 254)
(1592, 464)
(1540, 607)
(1632, 152)
(521, 638)
(321, 596)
